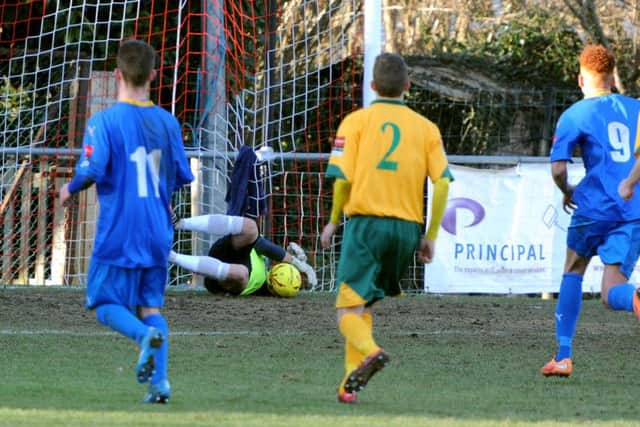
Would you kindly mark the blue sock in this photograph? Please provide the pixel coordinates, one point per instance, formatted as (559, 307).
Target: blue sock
(162, 355)
(567, 311)
(620, 297)
(121, 320)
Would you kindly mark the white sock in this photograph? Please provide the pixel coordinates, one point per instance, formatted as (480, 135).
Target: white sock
(204, 265)
(213, 268)
(213, 224)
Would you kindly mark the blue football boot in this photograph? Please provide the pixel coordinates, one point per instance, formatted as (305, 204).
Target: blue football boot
(158, 393)
(148, 347)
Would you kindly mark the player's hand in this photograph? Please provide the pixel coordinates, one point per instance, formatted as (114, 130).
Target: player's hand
(568, 204)
(65, 195)
(625, 190)
(175, 219)
(327, 233)
(426, 250)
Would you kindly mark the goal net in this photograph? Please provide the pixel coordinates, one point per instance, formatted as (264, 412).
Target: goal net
(275, 76)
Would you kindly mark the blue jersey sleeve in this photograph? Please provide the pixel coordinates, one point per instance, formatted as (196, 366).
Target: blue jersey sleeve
(565, 138)
(604, 127)
(94, 157)
(137, 162)
(183, 170)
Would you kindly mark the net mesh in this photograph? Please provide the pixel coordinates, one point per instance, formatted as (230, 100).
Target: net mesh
(234, 73)
(275, 76)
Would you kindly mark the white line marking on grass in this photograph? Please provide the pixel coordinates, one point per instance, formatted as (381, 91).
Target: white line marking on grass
(64, 332)
(176, 333)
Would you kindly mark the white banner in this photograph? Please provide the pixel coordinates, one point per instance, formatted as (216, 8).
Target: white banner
(504, 232)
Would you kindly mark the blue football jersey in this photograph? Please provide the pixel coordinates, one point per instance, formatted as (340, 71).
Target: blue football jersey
(134, 153)
(605, 128)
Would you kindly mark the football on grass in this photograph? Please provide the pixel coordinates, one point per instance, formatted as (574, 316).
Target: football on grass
(284, 280)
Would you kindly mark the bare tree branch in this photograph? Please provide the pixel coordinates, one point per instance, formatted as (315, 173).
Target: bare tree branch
(585, 12)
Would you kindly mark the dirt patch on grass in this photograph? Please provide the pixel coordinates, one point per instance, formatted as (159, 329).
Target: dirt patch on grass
(199, 311)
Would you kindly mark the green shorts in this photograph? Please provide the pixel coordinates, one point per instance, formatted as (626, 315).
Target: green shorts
(375, 254)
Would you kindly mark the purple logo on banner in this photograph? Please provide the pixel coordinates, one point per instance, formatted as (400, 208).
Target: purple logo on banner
(449, 221)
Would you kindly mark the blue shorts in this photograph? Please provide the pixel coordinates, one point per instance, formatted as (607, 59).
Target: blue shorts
(129, 287)
(614, 242)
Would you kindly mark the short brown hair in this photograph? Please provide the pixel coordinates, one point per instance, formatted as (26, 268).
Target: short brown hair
(390, 75)
(597, 59)
(136, 59)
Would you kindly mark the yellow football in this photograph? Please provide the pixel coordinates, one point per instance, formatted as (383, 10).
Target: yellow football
(284, 280)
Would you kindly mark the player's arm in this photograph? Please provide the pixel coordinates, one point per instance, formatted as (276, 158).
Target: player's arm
(344, 154)
(567, 134)
(438, 205)
(72, 187)
(92, 162)
(80, 183)
(441, 176)
(274, 252)
(439, 198)
(561, 179)
(184, 174)
(341, 192)
(627, 185)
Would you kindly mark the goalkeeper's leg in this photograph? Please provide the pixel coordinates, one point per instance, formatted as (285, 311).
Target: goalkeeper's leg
(216, 224)
(243, 231)
(233, 277)
(205, 265)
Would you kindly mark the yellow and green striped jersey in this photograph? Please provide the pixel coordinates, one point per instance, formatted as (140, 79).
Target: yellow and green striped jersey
(386, 151)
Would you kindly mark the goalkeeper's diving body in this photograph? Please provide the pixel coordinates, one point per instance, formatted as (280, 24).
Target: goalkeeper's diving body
(236, 262)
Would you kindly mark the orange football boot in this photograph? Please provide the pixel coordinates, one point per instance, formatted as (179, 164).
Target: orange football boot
(346, 397)
(556, 368)
(636, 303)
(360, 376)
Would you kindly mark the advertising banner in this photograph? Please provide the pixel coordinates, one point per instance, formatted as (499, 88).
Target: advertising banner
(504, 232)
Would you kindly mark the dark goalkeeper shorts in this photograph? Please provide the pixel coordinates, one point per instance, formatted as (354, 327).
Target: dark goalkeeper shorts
(223, 250)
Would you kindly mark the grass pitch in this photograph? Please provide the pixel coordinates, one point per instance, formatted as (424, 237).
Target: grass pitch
(456, 361)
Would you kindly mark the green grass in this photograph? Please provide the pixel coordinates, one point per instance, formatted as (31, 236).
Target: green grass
(456, 361)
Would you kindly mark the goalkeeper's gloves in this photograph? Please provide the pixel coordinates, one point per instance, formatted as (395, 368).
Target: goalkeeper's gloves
(299, 261)
(296, 251)
(305, 268)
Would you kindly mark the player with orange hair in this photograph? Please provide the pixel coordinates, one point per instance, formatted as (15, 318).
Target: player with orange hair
(604, 126)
